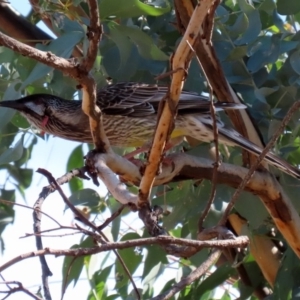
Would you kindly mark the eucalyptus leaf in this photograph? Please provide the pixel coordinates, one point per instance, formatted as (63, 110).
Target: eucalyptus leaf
(288, 7)
(72, 266)
(130, 9)
(295, 61)
(6, 114)
(131, 257)
(62, 46)
(122, 41)
(75, 161)
(143, 42)
(86, 197)
(14, 153)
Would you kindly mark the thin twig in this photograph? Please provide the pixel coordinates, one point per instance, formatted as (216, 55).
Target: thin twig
(19, 288)
(196, 274)
(85, 221)
(112, 217)
(208, 33)
(37, 217)
(169, 103)
(216, 164)
(240, 242)
(94, 36)
(42, 232)
(265, 151)
(28, 207)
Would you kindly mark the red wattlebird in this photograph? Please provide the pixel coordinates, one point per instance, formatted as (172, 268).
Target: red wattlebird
(129, 118)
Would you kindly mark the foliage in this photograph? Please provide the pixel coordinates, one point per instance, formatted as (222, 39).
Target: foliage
(259, 48)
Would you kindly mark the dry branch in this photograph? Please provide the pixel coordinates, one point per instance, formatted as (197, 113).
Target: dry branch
(261, 184)
(265, 151)
(263, 250)
(239, 242)
(211, 66)
(196, 274)
(16, 26)
(167, 117)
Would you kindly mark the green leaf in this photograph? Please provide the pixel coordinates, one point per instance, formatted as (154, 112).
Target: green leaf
(14, 153)
(132, 259)
(241, 24)
(115, 228)
(99, 284)
(6, 113)
(130, 9)
(123, 43)
(7, 213)
(22, 176)
(268, 6)
(287, 278)
(155, 256)
(288, 7)
(19, 121)
(254, 27)
(62, 46)
(72, 266)
(267, 51)
(86, 197)
(237, 53)
(221, 274)
(143, 42)
(295, 61)
(75, 161)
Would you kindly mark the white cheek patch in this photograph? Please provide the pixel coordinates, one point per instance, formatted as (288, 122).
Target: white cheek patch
(37, 108)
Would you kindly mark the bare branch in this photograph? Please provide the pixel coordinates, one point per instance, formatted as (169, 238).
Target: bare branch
(85, 221)
(238, 242)
(272, 141)
(166, 119)
(211, 66)
(103, 164)
(18, 288)
(112, 217)
(16, 26)
(67, 66)
(262, 248)
(273, 197)
(196, 274)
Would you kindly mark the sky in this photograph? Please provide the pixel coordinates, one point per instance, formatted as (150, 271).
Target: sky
(51, 155)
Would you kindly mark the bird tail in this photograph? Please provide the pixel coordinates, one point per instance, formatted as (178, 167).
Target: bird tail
(228, 106)
(235, 138)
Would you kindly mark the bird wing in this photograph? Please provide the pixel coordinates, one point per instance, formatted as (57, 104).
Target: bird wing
(141, 100)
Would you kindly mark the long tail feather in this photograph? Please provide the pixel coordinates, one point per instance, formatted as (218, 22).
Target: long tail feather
(271, 158)
(201, 128)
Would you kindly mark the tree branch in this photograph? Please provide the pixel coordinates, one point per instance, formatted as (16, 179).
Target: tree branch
(164, 240)
(166, 118)
(193, 276)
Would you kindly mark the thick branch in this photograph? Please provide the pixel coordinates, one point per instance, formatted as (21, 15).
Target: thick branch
(263, 250)
(68, 67)
(261, 184)
(16, 26)
(213, 70)
(166, 119)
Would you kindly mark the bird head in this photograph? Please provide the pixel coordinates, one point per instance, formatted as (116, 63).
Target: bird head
(54, 115)
(32, 107)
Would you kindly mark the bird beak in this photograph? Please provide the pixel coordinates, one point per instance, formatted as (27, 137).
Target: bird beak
(22, 106)
(12, 104)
